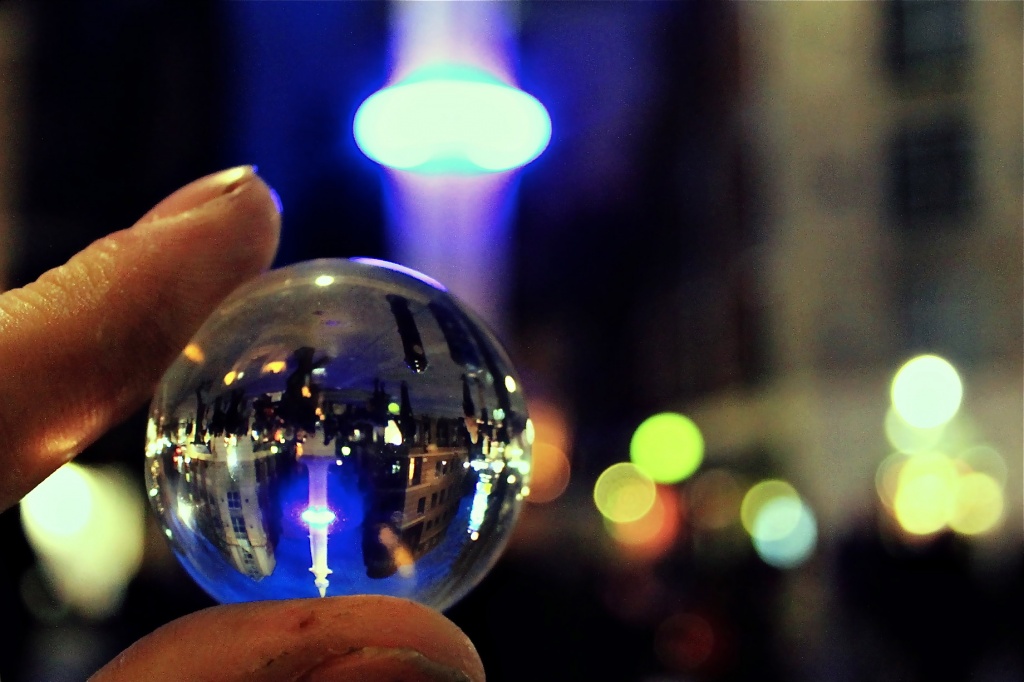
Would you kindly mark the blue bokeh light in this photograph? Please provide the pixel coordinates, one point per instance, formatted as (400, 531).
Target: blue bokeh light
(451, 119)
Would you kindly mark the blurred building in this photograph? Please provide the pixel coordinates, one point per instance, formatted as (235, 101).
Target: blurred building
(888, 136)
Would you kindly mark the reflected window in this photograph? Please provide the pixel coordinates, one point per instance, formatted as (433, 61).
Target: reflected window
(234, 499)
(238, 525)
(421, 505)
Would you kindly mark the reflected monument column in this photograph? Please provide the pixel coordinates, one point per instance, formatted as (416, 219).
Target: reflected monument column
(318, 516)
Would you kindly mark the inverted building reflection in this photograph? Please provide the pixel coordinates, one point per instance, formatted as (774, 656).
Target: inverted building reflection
(369, 463)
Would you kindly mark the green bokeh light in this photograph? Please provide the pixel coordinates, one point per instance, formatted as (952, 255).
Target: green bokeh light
(667, 447)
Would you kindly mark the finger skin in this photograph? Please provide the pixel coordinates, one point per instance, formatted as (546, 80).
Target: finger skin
(343, 638)
(83, 346)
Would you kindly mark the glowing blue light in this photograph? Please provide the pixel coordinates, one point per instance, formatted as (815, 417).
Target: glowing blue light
(318, 517)
(785, 532)
(452, 119)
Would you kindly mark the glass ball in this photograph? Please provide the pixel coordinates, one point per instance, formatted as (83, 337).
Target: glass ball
(339, 427)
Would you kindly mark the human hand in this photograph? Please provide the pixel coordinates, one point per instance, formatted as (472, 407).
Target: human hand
(94, 336)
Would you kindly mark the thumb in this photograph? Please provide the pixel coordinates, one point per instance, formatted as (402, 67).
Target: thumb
(83, 346)
(357, 639)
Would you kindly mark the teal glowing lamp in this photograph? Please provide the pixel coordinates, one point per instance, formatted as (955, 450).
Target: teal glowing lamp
(452, 119)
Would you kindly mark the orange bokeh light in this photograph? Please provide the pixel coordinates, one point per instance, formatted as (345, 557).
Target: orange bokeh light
(550, 469)
(549, 473)
(654, 533)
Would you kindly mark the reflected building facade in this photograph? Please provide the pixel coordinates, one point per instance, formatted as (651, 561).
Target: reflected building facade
(378, 468)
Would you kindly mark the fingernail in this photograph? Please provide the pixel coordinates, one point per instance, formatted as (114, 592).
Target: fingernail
(372, 664)
(277, 199)
(198, 193)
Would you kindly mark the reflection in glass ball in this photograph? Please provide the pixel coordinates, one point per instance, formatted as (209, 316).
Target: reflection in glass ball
(339, 427)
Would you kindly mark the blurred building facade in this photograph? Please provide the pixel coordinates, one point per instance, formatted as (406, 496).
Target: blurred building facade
(890, 143)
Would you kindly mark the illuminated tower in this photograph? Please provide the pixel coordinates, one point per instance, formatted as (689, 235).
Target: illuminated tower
(318, 516)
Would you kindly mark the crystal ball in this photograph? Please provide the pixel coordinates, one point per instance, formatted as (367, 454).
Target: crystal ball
(339, 427)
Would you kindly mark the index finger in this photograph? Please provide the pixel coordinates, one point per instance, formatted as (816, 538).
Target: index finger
(84, 346)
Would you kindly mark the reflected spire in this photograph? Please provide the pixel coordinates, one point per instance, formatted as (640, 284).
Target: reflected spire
(318, 516)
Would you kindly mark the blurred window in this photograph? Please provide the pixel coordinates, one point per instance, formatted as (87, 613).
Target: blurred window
(931, 174)
(927, 41)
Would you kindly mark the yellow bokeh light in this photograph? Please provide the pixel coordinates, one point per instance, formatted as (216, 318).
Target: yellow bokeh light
(977, 504)
(230, 377)
(60, 506)
(761, 494)
(924, 497)
(86, 526)
(623, 493)
(194, 353)
(906, 437)
(274, 367)
(323, 281)
(926, 391)
(887, 477)
(667, 447)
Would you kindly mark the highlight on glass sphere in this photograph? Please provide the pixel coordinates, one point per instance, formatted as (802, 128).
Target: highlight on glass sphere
(339, 427)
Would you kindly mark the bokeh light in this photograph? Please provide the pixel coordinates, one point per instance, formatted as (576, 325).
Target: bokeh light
(924, 498)
(785, 532)
(987, 460)
(551, 469)
(931, 491)
(926, 391)
(450, 118)
(758, 496)
(653, 534)
(550, 473)
(905, 437)
(977, 504)
(667, 447)
(887, 477)
(86, 526)
(623, 493)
